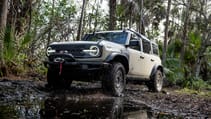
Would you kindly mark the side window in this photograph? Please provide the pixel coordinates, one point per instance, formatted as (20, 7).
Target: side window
(146, 46)
(155, 49)
(135, 43)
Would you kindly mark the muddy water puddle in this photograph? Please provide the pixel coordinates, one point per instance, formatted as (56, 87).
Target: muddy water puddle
(93, 108)
(30, 100)
(75, 107)
(28, 109)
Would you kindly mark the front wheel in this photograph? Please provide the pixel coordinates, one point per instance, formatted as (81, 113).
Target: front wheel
(156, 83)
(115, 80)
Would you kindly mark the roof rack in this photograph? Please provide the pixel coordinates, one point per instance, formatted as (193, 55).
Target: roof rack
(134, 32)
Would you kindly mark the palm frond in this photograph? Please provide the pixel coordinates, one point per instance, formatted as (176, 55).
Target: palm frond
(2, 34)
(25, 40)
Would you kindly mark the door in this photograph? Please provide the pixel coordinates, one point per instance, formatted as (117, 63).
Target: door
(139, 63)
(140, 60)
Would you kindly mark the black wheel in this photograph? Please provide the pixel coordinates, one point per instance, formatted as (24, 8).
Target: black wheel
(156, 83)
(52, 78)
(115, 80)
(56, 81)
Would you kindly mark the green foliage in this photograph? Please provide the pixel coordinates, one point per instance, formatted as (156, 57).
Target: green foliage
(184, 75)
(25, 41)
(15, 50)
(174, 73)
(160, 46)
(195, 39)
(176, 76)
(41, 69)
(174, 48)
(9, 44)
(192, 48)
(192, 91)
(2, 33)
(195, 83)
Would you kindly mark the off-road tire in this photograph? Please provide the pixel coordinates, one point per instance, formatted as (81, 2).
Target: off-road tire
(115, 80)
(156, 83)
(56, 81)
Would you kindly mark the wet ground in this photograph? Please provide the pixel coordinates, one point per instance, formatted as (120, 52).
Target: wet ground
(27, 99)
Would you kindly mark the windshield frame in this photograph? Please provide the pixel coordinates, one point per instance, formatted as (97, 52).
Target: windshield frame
(108, 36)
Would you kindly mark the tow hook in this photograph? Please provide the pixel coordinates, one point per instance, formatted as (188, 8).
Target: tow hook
(60, 68)
(60, 61)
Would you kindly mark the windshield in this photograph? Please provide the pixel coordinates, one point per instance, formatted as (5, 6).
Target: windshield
(117, 37)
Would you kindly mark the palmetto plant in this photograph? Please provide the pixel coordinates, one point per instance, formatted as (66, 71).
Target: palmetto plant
(14, 52)
(1, 52)
(9, 44)
(184, 75)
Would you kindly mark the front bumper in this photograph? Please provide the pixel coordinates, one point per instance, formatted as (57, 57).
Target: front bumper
(78, 65)
(79, 70)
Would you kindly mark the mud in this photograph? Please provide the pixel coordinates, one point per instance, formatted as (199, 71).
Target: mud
(28, 99)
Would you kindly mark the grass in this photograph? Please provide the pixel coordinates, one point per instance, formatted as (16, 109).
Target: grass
(206, 93)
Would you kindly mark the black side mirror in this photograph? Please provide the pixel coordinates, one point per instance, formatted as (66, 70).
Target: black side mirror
(134, 44)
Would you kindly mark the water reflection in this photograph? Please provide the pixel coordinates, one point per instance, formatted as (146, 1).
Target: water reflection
(64, 106)
(92, 108)
(21, 109)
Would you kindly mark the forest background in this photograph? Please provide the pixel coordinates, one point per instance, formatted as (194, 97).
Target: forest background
(182, 28)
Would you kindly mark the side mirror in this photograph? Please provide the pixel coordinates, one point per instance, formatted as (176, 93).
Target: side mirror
(134, 44)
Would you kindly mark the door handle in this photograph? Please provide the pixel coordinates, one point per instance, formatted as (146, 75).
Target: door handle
(141, 57)
(152, 60)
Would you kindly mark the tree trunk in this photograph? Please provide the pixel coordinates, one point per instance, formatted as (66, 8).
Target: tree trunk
(141, 27)
(112, 13)
(3, 21)
(202, 48)
(184, 36)
(96, 18)
(81, 20)
(29, 3)
(206, 41)
(166, 33)
(130, 15)
(198, 62)
(51, 23)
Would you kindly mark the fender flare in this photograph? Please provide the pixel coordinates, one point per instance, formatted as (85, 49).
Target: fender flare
(154, 69)
(113, 55)
(123, 58)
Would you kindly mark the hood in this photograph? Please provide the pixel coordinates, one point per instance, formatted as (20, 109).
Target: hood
(74, 42)
(111, 46)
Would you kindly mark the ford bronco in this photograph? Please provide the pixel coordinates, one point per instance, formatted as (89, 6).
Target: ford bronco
(108, 56)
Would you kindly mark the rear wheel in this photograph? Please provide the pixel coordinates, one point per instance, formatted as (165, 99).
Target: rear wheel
(57, 81)
(115, 80)
(156, 83)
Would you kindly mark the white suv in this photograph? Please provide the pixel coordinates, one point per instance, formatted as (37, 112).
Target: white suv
(109, 56)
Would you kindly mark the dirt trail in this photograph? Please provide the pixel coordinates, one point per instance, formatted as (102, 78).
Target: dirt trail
(30, 99)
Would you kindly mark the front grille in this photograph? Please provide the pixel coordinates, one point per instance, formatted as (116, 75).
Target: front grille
(76, 50)
(65, 57)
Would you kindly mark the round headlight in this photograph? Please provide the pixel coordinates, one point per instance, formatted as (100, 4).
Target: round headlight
(94, 50)
(49, 51)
